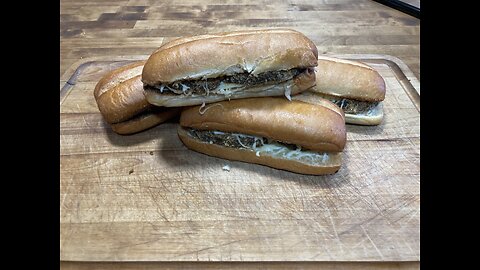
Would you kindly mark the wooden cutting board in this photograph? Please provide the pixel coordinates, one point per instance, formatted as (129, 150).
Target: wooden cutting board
(146, 197)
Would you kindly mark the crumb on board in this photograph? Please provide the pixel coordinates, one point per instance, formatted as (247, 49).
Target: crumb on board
(151, 153)
(226, 168)
(131, 171)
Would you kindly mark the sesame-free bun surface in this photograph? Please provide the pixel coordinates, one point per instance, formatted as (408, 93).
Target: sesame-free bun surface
(350, 79)
(122, 103)
(225, 54)
(117, 76)
(313, 127)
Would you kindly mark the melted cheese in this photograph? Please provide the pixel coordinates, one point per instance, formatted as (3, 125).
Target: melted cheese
(278, 150)
(288, 92)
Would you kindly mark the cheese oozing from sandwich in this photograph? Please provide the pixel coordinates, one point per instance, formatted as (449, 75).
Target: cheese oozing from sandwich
(261, 146)
(227, 85)
(352, 106)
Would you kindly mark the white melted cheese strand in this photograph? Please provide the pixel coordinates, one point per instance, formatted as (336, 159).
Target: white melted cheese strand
(280, 151)
(288, 92)
(227, 89)
(369, 112)
(184, 87)
(200, 109)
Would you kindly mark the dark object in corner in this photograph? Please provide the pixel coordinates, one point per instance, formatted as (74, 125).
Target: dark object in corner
(402, 6)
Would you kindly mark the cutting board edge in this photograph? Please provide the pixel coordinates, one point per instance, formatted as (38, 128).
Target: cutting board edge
(67, 75)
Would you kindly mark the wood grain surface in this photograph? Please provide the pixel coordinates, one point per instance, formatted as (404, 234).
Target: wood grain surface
(146, 197)
(133, 27)
(101, 202)
(240, 265)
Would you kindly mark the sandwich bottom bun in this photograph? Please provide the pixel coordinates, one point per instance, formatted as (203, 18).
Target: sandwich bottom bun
(292, 87)
(238, 154)
(145, 121)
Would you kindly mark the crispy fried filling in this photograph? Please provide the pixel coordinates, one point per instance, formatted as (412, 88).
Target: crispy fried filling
(260, 145)
(226, 85)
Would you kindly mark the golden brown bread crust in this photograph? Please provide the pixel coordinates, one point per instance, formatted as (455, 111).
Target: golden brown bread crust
(350, 79)
(233, 33)
(311, 126)
(299, 84)
(123, 101)
(120, 99)
(250, 157)
(229, 53)
(313, 98)
(117, 76)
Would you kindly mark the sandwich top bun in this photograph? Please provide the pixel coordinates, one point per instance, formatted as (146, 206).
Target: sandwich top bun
(210, 56)
(117, 76)
(123, 100)
(349, 79)
(224, 34)
(318, 128)
(122, 103)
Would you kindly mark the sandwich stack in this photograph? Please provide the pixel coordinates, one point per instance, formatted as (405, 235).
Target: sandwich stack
(262, 96)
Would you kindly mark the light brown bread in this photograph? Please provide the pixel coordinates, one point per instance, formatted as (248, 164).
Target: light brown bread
(117, 76)
(313, 98)
(211, 56)
(181, 40)
(122, 103)
(350, 79)
(296, 85)
(313, 127)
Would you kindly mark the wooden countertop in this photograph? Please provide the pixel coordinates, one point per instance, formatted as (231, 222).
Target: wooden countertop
(137, 27)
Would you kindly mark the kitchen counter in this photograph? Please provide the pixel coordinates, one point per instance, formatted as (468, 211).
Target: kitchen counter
(126, 27)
